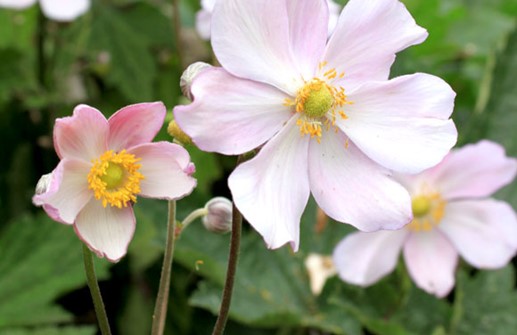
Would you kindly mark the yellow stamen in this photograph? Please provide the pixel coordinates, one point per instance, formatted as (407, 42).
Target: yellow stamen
(114, 178)
(428, 211)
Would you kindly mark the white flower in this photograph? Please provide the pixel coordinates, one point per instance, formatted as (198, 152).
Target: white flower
(57, 10)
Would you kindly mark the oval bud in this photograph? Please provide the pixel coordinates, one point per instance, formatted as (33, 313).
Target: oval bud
(188, 76)
(219, 215)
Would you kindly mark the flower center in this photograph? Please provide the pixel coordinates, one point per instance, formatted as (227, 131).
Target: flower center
(428, 211)
(114, 178)
(319, 103)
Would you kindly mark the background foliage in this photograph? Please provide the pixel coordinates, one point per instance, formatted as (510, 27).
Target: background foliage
(125, 51)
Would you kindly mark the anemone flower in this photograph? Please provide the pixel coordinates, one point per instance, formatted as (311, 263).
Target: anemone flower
(57, 10)
(104, 165)
(323, 111)
(452, 215)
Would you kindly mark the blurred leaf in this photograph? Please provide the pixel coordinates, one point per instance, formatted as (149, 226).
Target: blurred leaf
(17, 28)
(40, 260)
(51, 331)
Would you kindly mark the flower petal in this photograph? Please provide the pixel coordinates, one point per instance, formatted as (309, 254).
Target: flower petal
(81, 136)
(403, 123)
(431, 261)
(166, 170)
(483, 231)
(230, 115)
(366, 38)
(351, 188)
(251, 41)
(68, 192)
(135, 124)
(107, 231)
(476, 170)
(17, 4)
(308, 29)
(203, 23)
(364, 258)
(272, 189)
(59, 10)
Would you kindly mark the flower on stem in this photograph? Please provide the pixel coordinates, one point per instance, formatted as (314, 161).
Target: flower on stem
(104, 165)
(452, 215)
(218, 216)
(327, 118)
(57, 10)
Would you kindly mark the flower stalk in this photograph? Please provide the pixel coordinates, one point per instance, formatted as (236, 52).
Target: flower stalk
(95, 292)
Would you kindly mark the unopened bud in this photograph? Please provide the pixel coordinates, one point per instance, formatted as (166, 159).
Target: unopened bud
(219, 215)
(175, 131)
(43, 183)
(188, 76)
(320, 268)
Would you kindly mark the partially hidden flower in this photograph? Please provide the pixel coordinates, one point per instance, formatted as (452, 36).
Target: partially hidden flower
(327, 118)
(320, 268)
(204, 17)
(57, 10)
(104, 165)
(453, 215)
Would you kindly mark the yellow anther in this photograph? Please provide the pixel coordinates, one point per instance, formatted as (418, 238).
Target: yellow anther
(428, 211)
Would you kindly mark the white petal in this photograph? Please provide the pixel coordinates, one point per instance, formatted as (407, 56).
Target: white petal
(60, 10)
(431, 261)
(107, 231)
(366, 38)
(403, 123)
(17, 4)
(364, 258)
(351, 188)
(483, 231)
(203, 23)
(272, 189)
(251, 41)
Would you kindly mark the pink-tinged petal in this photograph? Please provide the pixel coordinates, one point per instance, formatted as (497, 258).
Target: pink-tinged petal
(334, 11)
(81, 136)
(483, 231)
(65, 11)
(230, 115)
(364, 258)
(308, 29)
(17, 4)
(431, 260)
(166, 169)
(68, 192)
(135, 124)
(203, 23)
(251, 41)
(272, 189)
(403, 123)
(366, 38)
(351, 188)
(476, 170)
(106, 231)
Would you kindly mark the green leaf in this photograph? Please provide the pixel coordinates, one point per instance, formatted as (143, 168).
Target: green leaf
(40, 261)
(52, 331)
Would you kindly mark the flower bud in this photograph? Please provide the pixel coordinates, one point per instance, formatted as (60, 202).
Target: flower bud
(43, 183)
(320, 268)
(188, 76)
(219, 215)
(175, 131)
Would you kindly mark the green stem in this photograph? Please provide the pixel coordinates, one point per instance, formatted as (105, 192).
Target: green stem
(230, 272)
(91, 278)
(162, 299)
(177, 31)
(200, 212)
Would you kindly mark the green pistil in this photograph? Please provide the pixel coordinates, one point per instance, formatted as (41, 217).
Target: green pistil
(421, 206)
(318, 102)
(114, 176)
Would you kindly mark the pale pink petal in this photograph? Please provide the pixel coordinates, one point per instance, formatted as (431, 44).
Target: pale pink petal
(64, 10)
(135, 124)
(483, 231)
(431, 260)
(106, 231)
(403, 123)
(366, 38)
(68, 192)
(334, 11)
(351, 188)
(476, 170)
(208, 5)
(165, 167)
(272, 189)
(308, 29)
(17, 4)
(364, 258)
(203, 23)
(251, 41)
(230, 115)
(81, 136)
(52, 181)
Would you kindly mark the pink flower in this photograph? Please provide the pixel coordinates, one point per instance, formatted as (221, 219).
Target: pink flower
(58, 10)
(104, 165)
(329, 120)
(452, 215)
(204, 17)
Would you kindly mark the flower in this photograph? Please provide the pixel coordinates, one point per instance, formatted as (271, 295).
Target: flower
(204, 17)
(324, 113)
(218, 218)
(57, 10)
(104, 165)
(452, 215)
